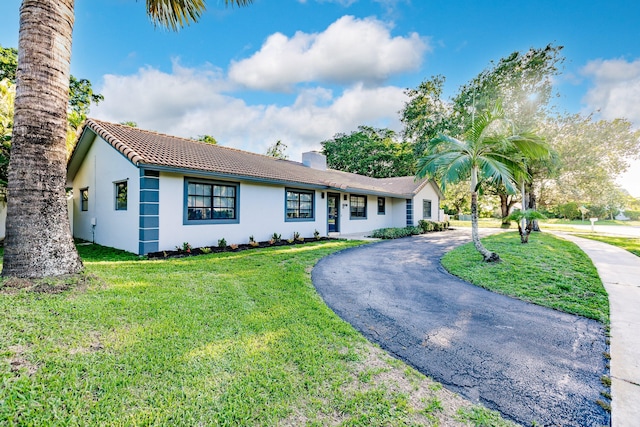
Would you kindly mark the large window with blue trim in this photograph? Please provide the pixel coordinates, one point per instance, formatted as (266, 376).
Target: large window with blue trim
(84, 199)
(382, 206)
(426, 209)
(358, 206)
(121, 195)
(211, 201)
(299, 205)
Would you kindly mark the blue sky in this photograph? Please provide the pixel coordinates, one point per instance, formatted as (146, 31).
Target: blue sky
(302, 70)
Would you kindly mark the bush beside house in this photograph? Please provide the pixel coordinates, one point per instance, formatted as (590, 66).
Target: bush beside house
(424, 226)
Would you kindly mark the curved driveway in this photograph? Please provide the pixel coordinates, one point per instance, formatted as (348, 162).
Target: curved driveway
(528, 362)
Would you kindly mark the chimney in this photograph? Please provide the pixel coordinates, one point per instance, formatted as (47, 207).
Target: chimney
(314, 160)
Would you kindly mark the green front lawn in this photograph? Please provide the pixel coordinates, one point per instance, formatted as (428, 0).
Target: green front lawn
(587, 222)
(555, 223)
(547, 271)
(230, 339)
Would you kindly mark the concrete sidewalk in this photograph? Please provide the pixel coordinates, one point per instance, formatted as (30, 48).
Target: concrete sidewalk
(620, 274)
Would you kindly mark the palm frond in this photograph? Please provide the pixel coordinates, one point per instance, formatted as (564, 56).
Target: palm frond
(175, 14)
(444, 142)
(496, 172)
(478, 129)
(458, 169)
(446, 167)
(531, 145)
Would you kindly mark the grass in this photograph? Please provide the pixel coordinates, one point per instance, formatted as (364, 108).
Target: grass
(482, 223)
(547, 271)
(222, 339)
(479, 416)
(554, 223)
(627, 243)
(587, 222)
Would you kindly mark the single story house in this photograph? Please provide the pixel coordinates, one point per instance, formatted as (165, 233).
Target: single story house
(143, 192)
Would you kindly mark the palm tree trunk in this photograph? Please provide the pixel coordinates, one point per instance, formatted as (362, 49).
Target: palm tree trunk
(487, 255)
(532, 203)
(38, 238)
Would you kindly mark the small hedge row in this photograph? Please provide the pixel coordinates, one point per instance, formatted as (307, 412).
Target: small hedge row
(398, 232)
(428, 226)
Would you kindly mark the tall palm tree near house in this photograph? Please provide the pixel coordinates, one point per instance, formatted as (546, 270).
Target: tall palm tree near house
(38, 238)
(490, 151)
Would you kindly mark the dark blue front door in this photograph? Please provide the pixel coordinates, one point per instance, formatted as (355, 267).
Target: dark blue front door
(333, 212)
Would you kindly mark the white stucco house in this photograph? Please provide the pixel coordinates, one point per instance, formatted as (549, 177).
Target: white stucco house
(143, 192)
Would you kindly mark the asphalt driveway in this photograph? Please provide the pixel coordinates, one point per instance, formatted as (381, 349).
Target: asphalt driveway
(531, 363)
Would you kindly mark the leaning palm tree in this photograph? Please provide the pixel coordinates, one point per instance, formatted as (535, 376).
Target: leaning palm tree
(38, 238)
(490, 151)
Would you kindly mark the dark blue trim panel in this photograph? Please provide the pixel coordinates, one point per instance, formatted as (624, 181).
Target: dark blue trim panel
(149, 234)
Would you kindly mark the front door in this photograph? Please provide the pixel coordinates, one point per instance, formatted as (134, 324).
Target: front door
(333, 212)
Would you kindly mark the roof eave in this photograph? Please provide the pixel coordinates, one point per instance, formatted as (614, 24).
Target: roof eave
(229, 176)
(287, 183)
(86, 139)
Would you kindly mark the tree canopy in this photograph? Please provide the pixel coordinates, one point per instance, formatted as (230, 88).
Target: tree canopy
(8, 63)
(278, 150)
(587, 154)
(7, 97)
(370, 151)
(488, 151)
(208, 139)
(592, 154)
(81, 94)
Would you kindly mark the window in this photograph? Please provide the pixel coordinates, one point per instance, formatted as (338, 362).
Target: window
(299, 205)
(84, 199)
(121, 196)
(426, 209)
(208, 201)
(358, 206)
(381, 205)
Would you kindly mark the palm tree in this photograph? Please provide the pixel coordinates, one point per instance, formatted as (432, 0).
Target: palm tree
(38, 238)
(490, 151)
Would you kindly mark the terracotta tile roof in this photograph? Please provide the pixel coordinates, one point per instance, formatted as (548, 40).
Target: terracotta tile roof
(146, 148)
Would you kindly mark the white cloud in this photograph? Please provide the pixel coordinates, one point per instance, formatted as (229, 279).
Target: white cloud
(614, 93)
(615, 90)
(191, 102)
(349, 51)
(354, 55)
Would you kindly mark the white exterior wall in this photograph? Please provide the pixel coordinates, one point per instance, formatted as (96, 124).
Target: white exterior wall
(427, 193)
(101, 168)
(261, 208)
(399, 213)
(373, 220)
(261, 213)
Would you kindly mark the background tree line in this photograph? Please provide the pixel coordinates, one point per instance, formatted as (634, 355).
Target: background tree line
(586, 154)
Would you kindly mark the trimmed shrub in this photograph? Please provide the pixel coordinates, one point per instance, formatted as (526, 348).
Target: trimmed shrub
(429, 226)
(398, 232)
(395, 233)
(414, 231)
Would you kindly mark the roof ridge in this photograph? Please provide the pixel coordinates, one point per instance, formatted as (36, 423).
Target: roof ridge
(115, 142)
(182, 138)
(146, 148)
